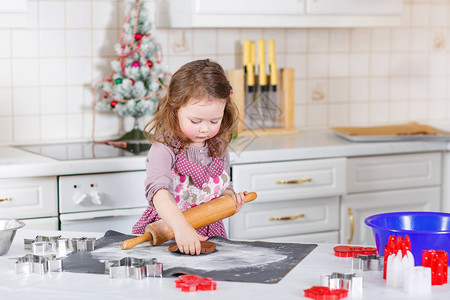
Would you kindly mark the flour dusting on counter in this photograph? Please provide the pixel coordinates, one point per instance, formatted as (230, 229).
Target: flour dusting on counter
(227, 256)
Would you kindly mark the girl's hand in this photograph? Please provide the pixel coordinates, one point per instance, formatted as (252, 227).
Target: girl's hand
(188, 240)
(239, 199)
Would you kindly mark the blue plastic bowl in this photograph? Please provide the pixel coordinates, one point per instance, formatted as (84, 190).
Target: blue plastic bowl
(427, 230)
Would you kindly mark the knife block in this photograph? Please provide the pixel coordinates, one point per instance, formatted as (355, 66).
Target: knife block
(285, 103)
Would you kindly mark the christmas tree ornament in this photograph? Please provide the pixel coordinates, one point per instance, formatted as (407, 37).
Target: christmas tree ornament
(139, 96)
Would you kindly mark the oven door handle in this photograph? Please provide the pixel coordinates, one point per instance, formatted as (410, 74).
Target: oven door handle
(101, 214)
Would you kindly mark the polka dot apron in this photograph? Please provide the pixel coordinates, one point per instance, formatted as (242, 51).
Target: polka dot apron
(193, 184)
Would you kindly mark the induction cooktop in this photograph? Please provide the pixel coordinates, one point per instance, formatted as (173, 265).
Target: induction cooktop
(87, 150)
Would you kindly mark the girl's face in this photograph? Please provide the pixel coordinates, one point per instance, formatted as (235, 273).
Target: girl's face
(200, 119)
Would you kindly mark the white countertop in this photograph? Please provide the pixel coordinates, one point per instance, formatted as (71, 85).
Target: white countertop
(16, 163)
(94, 286)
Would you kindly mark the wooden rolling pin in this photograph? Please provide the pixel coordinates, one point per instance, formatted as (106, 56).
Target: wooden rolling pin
(199, 216)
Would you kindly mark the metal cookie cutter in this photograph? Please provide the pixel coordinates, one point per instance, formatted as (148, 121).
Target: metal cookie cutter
(136, 268)
(366, 263)
(38, 264)
(83, 244)
(28, 243)
(350, 282)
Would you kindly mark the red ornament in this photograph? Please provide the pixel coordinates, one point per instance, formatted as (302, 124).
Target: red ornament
(132, 81)
(113, 103)
(150, 64)
(123, 46)
(138, 36)
(105, 96)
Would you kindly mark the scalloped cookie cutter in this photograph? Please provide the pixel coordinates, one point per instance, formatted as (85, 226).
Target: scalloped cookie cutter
(366, 263)
(131, 267)
(37, 264)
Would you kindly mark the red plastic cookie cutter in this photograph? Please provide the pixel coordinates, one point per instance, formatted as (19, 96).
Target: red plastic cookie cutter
(349, 251)
(325, 293)
(438, 262)
(193, 283)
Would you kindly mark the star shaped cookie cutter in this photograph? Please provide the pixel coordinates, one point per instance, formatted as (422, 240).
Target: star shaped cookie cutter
(37, 264)
(131, 267)
(346, 281)
(370, 262)
(28, 243)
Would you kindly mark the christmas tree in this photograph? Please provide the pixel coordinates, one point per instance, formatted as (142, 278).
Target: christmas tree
(137, 78)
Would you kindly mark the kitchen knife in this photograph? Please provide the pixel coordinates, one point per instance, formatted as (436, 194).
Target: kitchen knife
(250, 89)
(273, 95)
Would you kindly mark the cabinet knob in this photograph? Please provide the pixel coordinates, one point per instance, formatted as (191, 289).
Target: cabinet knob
(4, 199)
(96, 198)
(352, 225)
(78, 198)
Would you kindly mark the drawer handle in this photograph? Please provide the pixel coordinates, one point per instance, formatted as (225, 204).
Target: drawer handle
(293, 181)
(352, 225)
(5, 199)
(287, 218)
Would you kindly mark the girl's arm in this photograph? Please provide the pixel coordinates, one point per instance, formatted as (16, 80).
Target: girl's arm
(187, 239)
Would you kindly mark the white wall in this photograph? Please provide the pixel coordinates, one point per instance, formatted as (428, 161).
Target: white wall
(366, 76)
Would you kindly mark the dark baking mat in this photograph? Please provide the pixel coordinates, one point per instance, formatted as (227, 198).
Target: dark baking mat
(261, 262)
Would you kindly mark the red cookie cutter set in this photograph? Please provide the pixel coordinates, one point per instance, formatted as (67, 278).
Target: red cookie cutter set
(325, 293)
(353, 251)
(193, 283)
(438, 262)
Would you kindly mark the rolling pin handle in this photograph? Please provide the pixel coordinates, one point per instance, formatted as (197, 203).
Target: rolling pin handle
(250, 197)
(128, 244)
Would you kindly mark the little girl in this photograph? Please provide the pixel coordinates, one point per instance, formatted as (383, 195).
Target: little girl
(188, 163)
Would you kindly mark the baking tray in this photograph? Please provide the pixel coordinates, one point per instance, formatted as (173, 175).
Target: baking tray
(392, 138)
(411, 131)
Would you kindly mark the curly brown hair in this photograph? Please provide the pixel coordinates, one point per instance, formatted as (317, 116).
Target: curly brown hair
(194, 80)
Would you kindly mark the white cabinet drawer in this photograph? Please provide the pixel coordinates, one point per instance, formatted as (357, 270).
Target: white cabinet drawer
(393, 172)
(28, 197)
(254, 219)
(326, 177)
(329, 237)
(41, 224)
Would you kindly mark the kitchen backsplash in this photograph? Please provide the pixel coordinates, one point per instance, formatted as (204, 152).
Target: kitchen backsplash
(361, 76)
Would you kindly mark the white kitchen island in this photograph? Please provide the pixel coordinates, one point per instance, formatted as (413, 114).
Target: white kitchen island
(67, 285)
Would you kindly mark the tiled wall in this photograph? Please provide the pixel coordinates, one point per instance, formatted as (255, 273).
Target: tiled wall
(343, 76)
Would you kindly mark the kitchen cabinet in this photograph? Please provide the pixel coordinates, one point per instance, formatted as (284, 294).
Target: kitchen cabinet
(281, 14)
(297, 200)
(33, 200)
(381, 184)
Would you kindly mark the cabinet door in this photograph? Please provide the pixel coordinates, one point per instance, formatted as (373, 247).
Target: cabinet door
(354, 7)
(361, 206)
(28, 197)
(249, 7)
